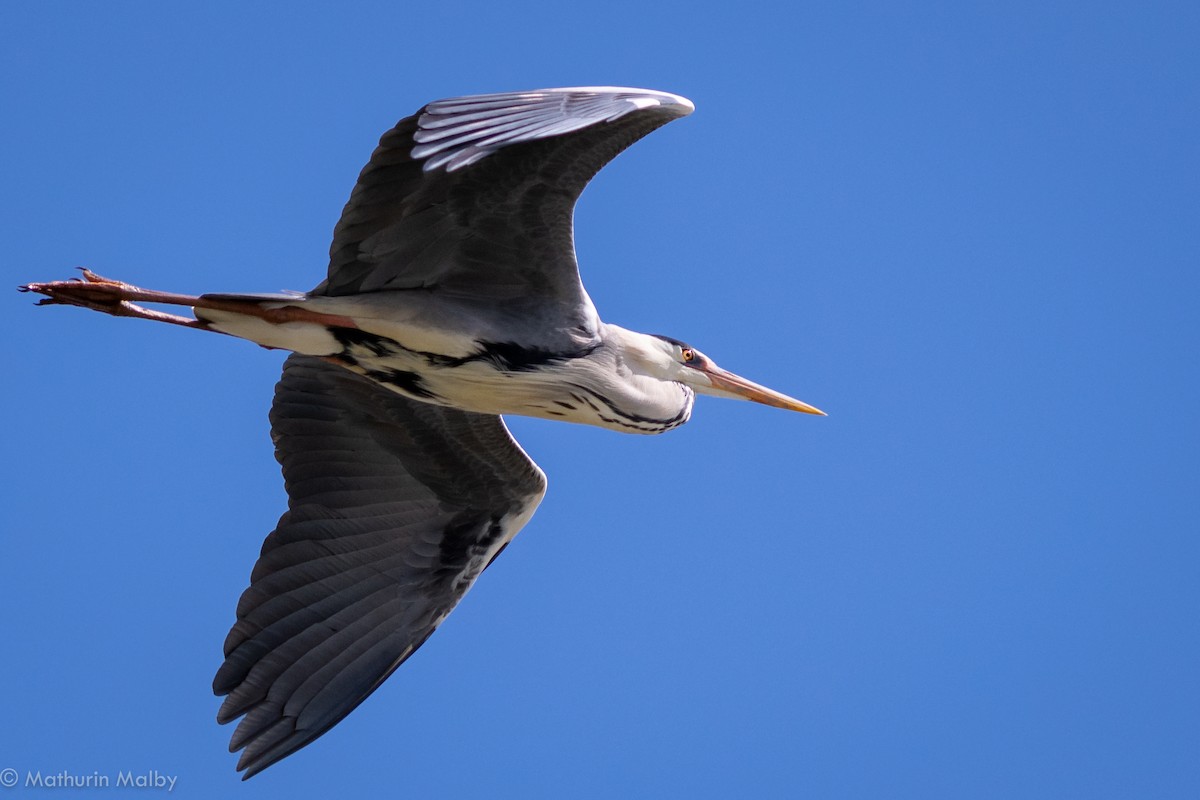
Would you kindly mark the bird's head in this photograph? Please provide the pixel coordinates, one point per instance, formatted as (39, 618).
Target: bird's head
(673, 360)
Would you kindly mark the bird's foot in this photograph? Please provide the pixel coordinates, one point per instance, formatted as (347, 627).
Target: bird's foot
(91, 291)
(109, 297)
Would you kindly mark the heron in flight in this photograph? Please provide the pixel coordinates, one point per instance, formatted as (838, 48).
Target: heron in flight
(453, 297)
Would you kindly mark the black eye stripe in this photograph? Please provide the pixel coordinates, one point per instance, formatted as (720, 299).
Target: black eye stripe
(687, 353)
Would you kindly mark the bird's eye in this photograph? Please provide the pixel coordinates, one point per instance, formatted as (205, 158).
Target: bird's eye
(687, 354)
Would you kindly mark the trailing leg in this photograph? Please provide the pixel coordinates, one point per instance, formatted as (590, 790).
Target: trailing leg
(272, 321)
(112, 297)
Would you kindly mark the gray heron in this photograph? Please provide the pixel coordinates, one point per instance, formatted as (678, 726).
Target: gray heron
(452, 297)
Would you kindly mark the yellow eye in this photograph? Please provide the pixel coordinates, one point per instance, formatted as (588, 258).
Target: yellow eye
(687, 354)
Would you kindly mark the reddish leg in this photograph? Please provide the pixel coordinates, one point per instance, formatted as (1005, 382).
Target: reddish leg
(112, 297)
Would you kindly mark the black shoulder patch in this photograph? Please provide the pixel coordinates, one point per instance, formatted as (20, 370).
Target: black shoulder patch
(512, 357)
(353, 337)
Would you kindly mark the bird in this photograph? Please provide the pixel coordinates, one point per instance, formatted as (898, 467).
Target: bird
(452, 298)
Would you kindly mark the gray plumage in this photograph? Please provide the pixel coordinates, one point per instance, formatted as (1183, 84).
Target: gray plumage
(394, 508)
(487, 215)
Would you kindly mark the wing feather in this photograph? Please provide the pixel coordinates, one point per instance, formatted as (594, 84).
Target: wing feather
(395, 507)
(474, 196)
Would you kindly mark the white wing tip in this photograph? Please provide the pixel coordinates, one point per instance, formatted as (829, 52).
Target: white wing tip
(641, 98)
(459, 131)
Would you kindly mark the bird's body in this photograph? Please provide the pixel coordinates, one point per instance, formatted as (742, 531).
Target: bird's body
(599, 375)
(452, 298)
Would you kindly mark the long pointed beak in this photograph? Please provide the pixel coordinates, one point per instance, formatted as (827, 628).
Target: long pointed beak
(726, 384)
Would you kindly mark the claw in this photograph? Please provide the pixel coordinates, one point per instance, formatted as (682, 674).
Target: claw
(92, 277)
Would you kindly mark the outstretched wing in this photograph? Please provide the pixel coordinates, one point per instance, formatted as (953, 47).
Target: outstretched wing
(474, 196)
(395, 507)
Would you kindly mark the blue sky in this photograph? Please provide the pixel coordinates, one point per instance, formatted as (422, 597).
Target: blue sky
(967, 231)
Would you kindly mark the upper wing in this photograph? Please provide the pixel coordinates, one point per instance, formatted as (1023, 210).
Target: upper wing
(475, 195)
(395, 507)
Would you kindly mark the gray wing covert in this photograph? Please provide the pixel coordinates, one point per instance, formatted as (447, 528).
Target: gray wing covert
(475, 195)
(395, 507)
